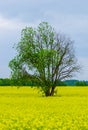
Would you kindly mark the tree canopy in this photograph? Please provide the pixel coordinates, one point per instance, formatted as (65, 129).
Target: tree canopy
(44, 57)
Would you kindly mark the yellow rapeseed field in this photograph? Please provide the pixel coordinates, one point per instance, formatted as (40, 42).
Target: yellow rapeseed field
(26, 109)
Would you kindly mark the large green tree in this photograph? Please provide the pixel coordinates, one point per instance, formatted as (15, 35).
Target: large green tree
(44, 57)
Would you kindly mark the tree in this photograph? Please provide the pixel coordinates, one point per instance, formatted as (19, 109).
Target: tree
(45, 57)
(81, 83)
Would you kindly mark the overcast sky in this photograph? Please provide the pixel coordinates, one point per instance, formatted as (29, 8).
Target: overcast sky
(66, 16)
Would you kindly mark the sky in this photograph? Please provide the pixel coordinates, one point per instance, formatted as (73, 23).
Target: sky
(69, 17)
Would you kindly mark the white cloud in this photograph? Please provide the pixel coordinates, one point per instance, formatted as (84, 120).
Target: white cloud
(14, 24)
(10, 24)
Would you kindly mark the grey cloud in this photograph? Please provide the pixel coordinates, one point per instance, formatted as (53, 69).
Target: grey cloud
(25, 9)
(29, 10)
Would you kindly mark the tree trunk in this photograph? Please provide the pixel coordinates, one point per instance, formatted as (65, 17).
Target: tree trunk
(52, 91)
(47, 93)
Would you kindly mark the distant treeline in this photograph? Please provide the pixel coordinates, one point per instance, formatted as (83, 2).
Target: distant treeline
(11, 82)
(75, 83)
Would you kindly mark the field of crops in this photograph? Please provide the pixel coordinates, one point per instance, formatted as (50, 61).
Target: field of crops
(26, 109)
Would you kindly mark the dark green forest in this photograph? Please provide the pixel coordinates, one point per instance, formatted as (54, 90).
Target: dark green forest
(21, 82)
